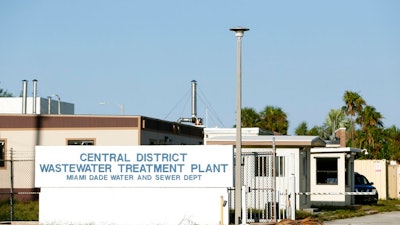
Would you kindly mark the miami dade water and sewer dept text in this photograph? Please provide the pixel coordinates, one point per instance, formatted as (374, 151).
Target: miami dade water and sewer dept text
(134, 167)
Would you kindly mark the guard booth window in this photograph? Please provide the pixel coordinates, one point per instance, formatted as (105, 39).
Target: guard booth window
(2, 153)
(327, 171)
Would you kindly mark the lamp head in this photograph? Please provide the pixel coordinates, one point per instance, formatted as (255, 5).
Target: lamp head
(239, 31)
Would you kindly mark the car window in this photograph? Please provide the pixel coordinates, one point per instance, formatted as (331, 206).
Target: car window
(360, 179)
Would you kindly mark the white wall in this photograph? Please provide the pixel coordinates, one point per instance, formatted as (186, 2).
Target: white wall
(375, 171)
(340, 187)
(14, 105)
(398, 182)
(132, 206)
(133, 200)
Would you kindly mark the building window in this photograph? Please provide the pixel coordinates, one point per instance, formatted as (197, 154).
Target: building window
(327, 171)
(280, 166)
(2, 153)
(80, 142)
(263, 166)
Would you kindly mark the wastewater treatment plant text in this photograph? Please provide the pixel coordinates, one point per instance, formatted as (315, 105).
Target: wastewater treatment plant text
(137, 167)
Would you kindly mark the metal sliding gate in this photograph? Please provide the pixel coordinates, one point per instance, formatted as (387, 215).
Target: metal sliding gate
(268, 189)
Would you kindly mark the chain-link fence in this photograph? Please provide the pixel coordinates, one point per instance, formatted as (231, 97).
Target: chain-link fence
(263, 178)
(265, 188)
(16, 183)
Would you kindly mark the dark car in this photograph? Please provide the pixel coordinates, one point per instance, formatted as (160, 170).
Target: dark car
(361, 184)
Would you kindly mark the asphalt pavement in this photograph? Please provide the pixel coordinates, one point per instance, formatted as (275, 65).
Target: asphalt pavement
(388, 218)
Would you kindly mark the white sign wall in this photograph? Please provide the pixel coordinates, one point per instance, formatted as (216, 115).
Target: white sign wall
(133, 184)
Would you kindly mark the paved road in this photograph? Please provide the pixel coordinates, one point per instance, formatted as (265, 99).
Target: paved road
(388, 218)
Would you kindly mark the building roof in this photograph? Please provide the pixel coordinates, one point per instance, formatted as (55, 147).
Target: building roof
(335, 150)
(61, 121)
(268, 141)
(247, 131)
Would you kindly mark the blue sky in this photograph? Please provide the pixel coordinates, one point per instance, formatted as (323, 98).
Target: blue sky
(298, 55)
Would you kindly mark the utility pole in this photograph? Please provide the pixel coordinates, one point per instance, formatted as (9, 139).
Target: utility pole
(12, 186)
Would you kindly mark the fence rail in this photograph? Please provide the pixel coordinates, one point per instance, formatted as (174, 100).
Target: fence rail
(337, 193)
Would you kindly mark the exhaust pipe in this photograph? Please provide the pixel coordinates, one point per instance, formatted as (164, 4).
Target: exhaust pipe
(194, 119)
(49, 105)
(194, 101)
(24, 95)
(34, 96)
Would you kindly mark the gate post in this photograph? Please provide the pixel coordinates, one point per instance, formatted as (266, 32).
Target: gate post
(292, 198)
(244, 208)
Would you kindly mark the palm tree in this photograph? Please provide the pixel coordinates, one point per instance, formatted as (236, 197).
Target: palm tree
(369, 117)
(371, 129)
(302, 129)
(274, 119)
(393, 140)
(250, 117)
(317, 131)
(336, 119)
(4, 93)
(354, 104)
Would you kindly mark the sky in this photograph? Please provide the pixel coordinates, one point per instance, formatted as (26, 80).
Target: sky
(300, 56)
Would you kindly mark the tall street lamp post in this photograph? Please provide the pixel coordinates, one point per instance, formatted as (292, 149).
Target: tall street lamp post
(239, 32)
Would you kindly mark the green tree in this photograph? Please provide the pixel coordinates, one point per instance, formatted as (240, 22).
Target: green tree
(354, 104)
(4, 93)
(250, 118)
(336, 119)
(369, 117)
(302, 129)
(316, 131)
(371, 133)
(393, 139)
(274, 119)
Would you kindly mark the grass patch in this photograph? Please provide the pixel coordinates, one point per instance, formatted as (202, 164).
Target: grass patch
(327, 213)
(29, 211)
(23, 211)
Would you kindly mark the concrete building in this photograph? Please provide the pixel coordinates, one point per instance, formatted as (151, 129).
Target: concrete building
(34, 104)
(13, 105)
(29, 121)
(20, 133)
